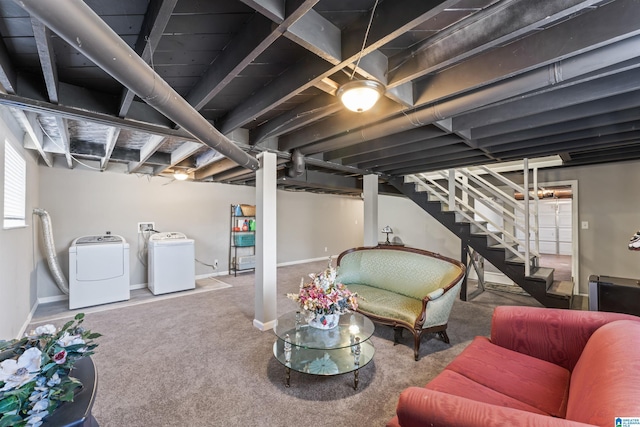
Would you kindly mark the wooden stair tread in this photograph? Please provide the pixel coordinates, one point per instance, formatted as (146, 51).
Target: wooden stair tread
(561, 288)
(541, 273)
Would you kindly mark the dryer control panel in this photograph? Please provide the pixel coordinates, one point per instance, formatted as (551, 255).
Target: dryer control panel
(168, 236)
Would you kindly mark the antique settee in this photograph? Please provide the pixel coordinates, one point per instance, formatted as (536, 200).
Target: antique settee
(403, 287)
(541, 367)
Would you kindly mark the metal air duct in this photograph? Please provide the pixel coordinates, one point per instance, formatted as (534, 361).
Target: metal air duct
(50, 250)
(83, 29)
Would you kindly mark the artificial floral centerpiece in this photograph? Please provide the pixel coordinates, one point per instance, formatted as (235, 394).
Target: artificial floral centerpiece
(34, 371)
(324, 299)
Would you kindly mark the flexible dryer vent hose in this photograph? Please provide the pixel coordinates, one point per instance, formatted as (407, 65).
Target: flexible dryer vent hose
(50, 248)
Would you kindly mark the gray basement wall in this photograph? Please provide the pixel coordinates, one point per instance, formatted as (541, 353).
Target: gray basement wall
(83, 202)
(310, 226)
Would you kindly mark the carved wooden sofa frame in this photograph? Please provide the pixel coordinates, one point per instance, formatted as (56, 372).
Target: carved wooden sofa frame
(406, 288)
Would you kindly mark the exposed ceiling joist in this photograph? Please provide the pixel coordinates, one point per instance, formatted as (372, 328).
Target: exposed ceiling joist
(7, 70)
(63, 131)
(558, 96)
(42, 36)
(33, 136)
(377, 147)
(605, 106)
(154, 24)
(467, 82)
(257, 36)
(497, 25)
(149, 148)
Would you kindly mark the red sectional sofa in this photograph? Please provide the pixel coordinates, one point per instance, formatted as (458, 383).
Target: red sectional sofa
(541, 367)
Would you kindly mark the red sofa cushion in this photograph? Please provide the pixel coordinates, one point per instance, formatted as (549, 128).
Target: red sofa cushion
(606, 380)
(552, 334)
(451, 382)
(533, 382)
(421, 407)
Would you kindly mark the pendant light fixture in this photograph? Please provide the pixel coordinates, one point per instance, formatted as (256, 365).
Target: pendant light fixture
(361, 95)
(180, 175)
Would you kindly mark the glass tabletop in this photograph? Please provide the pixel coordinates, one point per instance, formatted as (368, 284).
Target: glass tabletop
(323, 362)
(300, 334)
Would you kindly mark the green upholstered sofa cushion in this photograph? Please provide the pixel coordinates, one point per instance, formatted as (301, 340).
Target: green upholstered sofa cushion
(410, 274)
(388, 304)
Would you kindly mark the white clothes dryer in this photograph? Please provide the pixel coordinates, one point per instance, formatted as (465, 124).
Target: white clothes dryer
(171, 263)
(98, 270)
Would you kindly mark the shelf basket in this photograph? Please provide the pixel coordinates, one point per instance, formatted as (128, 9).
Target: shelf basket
(248, 210)
(244, 239)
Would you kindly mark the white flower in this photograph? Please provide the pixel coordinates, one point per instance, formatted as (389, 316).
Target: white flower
(16, 373)
(67, 340)
(54, 380)
(38, 395)
(35, 418)
(46, 330)
(40, 406)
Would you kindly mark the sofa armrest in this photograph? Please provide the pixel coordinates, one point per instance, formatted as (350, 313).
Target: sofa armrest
(419, 407)
(555, 335)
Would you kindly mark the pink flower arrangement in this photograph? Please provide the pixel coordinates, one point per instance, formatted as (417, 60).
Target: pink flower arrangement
(324, 295)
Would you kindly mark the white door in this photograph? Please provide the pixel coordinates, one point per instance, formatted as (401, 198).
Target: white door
(554, 224)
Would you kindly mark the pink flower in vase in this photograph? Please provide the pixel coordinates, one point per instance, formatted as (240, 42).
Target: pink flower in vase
(60, 357)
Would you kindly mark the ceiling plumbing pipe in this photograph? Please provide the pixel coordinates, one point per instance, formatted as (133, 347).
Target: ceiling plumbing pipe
(50, 251)
(540, 78)
(83, 29)
(297, 164)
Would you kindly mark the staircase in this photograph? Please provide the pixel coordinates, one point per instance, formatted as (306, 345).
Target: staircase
(450, 196)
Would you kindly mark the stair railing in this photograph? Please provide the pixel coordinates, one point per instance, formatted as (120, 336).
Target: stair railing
(472, 187)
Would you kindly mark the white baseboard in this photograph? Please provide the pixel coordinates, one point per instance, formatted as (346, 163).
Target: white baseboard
(303, 261)
(23, 329)
(267, 326)
(198, 277)
(214, 274)
(53, 298)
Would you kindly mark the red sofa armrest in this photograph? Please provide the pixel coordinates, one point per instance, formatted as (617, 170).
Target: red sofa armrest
(555, 335)
(420, 407)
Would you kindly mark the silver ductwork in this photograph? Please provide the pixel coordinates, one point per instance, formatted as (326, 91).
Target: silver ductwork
(83, 29)
(50, 250)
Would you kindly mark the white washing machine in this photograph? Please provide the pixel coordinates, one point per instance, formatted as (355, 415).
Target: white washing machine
(98, 270)
(171, 263)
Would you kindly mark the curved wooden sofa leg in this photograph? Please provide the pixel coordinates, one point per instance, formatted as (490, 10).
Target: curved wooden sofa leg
(417, 335)
(443, 335)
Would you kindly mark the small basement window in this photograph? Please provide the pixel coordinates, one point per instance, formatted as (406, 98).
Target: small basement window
(15, 187)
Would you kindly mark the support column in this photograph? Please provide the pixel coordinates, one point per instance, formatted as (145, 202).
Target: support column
(266, 248)
(370, 188)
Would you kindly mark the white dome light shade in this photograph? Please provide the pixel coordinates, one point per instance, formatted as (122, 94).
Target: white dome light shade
(180, 175)
(360, 95)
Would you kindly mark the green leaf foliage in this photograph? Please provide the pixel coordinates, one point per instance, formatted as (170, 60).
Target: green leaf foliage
(15, 403)
(10, 420)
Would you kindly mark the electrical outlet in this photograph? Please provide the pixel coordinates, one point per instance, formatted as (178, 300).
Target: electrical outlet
(144, 227)
(325, 249)
(215, 264)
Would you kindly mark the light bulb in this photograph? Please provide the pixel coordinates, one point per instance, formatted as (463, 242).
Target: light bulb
(180, 175)
(360, 95)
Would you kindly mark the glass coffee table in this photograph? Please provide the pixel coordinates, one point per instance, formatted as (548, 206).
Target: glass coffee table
(345, 348)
